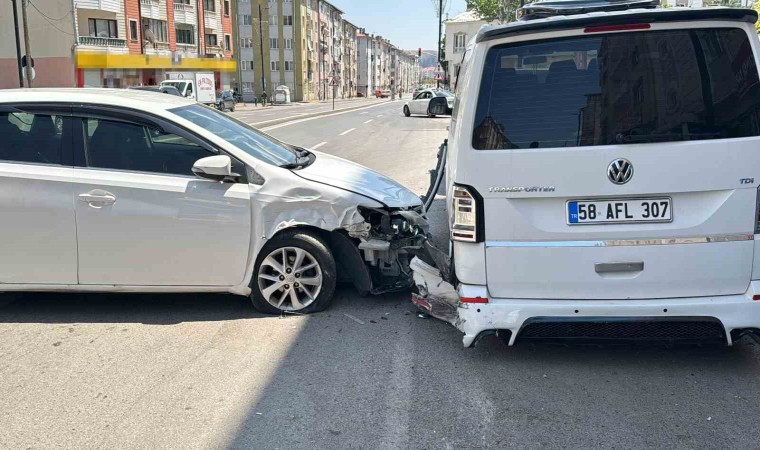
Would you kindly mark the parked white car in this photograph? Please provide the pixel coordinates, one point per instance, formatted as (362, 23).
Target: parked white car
(602, 178)
(126, 191)
(421, 103)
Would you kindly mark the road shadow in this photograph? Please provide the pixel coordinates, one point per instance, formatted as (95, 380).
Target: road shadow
(384, 378)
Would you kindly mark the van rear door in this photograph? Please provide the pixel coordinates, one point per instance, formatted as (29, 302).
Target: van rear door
(619, 162)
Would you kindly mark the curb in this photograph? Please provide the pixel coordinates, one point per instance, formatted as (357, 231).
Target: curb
(269, 123)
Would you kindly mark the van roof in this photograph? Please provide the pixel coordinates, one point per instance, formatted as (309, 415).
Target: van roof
(555, 23)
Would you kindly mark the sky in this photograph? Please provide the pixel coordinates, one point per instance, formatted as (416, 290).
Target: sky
(409, 24)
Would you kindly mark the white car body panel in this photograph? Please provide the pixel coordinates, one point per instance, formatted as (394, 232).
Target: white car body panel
(39, 229)
(162, 230)
(163, 233)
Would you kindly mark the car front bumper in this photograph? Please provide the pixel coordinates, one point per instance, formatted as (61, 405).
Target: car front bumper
(735, 312)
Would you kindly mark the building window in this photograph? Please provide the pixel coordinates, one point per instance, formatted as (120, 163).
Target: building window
(103, 28)
(273, 43)
(272, 20)
(228, 42)
(133, 30)
(184, 2)
(209, 5)
(288, 44)
(275, 65)
(185, 34)
(287, 20)
(289, 66)
(227, 8)
(459, 42)
(158, 28)
(247, 85)
(247, 19)
(246, 43)
(211, 40)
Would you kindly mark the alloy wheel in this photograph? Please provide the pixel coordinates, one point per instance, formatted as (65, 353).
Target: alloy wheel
(290, 278)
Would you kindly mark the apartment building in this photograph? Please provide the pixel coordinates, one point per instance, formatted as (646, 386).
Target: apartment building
(350, 72)
(120, 43)
(381, 65)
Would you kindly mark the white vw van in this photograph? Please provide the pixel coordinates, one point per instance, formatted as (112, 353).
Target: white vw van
(602, 177)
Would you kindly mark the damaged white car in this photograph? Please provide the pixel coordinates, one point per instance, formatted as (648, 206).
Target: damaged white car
(115, 190)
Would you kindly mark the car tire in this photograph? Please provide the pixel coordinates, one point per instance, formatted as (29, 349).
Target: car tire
(272, 283)
(407, 113)
(431, 115)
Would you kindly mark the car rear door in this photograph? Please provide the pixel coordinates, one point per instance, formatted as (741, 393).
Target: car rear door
(142, 217)
(620, 164)
(38, 230)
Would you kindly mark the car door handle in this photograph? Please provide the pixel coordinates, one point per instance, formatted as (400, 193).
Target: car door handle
(98, 198)
(619, 267)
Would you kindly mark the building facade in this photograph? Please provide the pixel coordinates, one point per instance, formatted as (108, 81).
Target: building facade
(121, 43)
(459, 30)
(383, 66)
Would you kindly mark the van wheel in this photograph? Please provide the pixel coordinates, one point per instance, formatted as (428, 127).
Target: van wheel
(407, 113)
(294, 272)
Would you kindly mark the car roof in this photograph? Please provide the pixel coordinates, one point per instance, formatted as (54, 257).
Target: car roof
(555, 23)
(130, 98)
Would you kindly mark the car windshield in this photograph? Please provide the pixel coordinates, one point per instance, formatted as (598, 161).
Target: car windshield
(242, 136)
(443, 94)
(180, 85)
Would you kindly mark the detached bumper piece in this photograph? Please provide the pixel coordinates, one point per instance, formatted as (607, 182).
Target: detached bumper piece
(611, 330)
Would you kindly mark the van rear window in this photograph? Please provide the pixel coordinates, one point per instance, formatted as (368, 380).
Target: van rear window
(620, 88)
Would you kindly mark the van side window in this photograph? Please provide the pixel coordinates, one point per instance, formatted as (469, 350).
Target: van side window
(32, 138)
(619, 88)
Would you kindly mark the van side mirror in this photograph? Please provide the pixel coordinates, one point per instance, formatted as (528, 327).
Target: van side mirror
(218, 168)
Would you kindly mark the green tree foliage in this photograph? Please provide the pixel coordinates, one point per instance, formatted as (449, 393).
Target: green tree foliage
(756, 7)
(495, 10)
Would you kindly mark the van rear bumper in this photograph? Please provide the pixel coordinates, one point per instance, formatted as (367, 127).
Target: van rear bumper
(735, 312)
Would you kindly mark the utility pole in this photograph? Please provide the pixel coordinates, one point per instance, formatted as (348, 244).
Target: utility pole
(18, 44)
(321, 59)
(440, 24)
(261, 47)
(27, 46)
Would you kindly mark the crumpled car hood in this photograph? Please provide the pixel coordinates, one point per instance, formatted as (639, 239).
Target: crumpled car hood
(343, 174)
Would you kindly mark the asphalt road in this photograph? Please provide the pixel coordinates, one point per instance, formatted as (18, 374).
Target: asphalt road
(205, 371)
(258, 114)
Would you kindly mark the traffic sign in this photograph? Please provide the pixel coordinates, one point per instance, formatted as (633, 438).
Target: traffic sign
(333, 81)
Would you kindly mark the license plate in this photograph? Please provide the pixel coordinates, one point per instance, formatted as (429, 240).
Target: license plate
(580, 212)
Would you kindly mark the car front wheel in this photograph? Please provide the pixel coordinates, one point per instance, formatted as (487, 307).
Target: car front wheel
(294, 272)
(407, 113)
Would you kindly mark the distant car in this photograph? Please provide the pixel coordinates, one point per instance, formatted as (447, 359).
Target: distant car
(421, 103)
(225, 101)
(163, 89)
(383, 93)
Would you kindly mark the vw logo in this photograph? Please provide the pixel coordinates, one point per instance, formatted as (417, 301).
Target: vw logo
(620, 171)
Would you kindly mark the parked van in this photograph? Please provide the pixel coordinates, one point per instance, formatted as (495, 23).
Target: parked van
(196, 85)
(602, 177)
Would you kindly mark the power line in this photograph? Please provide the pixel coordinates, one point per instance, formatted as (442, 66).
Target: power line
(45, 15)
(48, 19)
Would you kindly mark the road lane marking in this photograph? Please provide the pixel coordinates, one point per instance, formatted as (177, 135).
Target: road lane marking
(294, 122)
(380, 116)
(347, 131)
(318, 145)
(365, 112)
(370, 120)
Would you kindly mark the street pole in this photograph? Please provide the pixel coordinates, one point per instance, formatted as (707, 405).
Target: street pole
(18, 44)
(27, 46)
(261, 47)
(440, 24)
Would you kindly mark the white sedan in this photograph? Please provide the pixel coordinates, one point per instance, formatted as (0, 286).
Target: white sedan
(423, 103)
(126, 191)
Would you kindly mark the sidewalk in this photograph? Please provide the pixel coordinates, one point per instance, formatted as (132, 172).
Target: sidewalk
(338, 101)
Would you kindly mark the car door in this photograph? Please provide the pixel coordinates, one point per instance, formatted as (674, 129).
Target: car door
(143, 218)
(415, 104)
(37, 227)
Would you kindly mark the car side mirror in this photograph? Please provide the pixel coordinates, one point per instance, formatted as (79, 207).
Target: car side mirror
(438, 106)
(218, 168)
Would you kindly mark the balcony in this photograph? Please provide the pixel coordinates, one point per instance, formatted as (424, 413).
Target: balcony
(101, 41)
(183, 7)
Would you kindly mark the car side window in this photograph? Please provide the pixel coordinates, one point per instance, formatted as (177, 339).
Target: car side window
(32, 138)
(189, 88)
(111, 144)
(420, 96)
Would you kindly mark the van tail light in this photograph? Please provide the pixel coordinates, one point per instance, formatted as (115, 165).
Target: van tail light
(468, 215)
(757, 211)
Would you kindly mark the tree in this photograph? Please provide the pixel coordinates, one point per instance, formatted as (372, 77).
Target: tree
(495, 10)
(756, 7)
